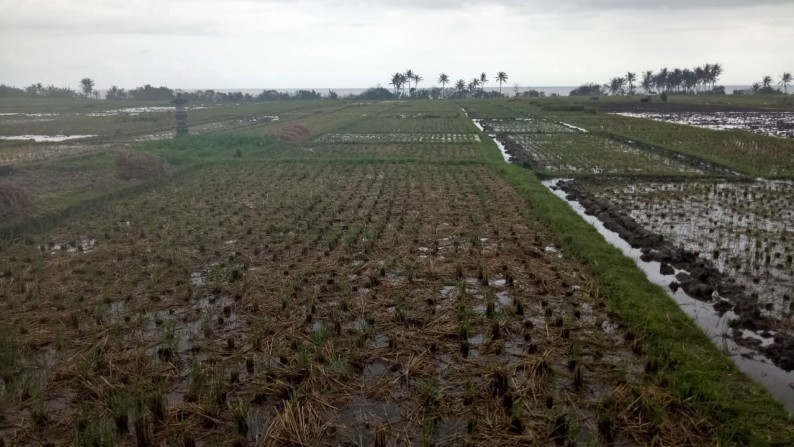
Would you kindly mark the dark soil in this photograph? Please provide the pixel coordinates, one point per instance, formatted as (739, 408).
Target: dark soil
(701, 281)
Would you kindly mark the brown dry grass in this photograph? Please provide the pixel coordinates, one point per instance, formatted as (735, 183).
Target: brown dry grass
(131, 165)
(295, 132)
(14, 202)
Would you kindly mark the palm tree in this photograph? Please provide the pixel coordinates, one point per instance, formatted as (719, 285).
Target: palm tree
(690, 81)
(716, 72)
(661, 79)
(785, 80)
(473, 84)
(647, 81)
(396, 81)
(700, 77)
(483, 80)
(501, 77)
(409, 76)
(87, 84)
(417, 78)
(615, 86)
(766, 81)
(460, 86)
(756, 87)
(630, 78)
(443, 79)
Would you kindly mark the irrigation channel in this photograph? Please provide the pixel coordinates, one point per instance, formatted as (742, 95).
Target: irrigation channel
(779, 382)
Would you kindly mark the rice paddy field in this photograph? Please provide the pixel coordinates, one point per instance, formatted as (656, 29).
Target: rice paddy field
(337, 273)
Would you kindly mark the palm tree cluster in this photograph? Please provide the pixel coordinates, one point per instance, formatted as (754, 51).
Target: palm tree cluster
(697, 80)
(461, 88)
(765, 86)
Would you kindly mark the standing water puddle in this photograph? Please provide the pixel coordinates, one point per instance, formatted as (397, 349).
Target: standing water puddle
(779, 382)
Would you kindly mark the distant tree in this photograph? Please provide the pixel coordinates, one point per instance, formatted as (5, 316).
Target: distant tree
(647, 81)
(332, 95)
(700, 77)
(397, 80)
(689, 80)
(716, 72)
(7, 91)
(52, 91)
(630, 78)
(36, 89)
(114, 92)
(473, 85)
(87, 85)
(375, 94)
(460, 87)
(417, 79)
(587, 90)
(661, 79)
(443, 79)
(500, 78)
(149, 93)
(483, 80)
(408, 76)
(766, 81)
(615, 86)
(785, 80)
(756, 87)
(307, 94)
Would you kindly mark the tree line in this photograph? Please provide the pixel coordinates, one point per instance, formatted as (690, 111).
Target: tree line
(699, 80)
(460, 89)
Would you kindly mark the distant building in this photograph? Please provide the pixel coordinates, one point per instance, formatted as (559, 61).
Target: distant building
(181, 115)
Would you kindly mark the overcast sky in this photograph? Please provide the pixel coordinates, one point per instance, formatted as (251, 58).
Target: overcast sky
(359, 43)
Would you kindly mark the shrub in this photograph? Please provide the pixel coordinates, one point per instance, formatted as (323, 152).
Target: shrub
(138, 165)
(14, 202)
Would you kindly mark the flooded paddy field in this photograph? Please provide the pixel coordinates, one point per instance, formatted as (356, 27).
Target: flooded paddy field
(374, 300)
(348, 274)
(586, 154)
(736, 237)
(776, 124)
(748, 153)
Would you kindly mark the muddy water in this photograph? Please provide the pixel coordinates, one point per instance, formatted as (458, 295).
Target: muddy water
(779, 383)
(777, 124)
(43, 138)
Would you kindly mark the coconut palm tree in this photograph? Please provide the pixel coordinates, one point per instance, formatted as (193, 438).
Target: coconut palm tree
(443, 79)
(785, 80)
(716, 72)
(689, 80)
(87, 84)
(500, 78)
(630, 78)
(417, 78)
(615, 86)
(409, 76)
(397, 82)
(473, 85)
(766, 81)
(483, 80)
(661, 79)
(460, 86)
(647, 81)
